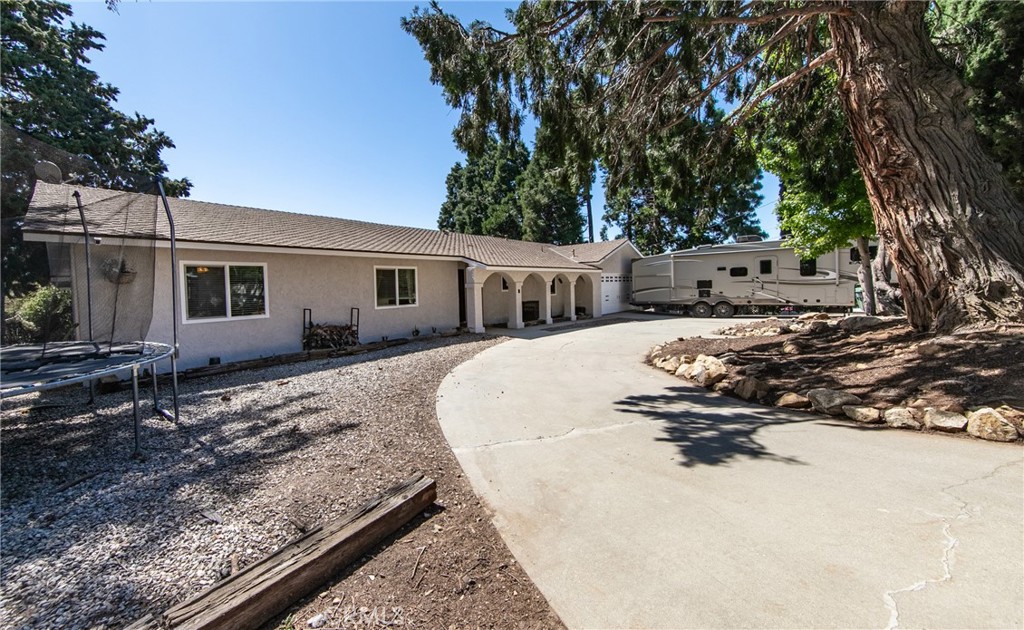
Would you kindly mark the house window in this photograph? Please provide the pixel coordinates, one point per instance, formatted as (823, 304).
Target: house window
(504, 285)
(738, 272)
(766, 267)
(809, 267)
(554, 289)
(221, 291)
(396, 286)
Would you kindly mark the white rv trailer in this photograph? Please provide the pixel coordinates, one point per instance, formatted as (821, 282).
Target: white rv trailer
(749, 276)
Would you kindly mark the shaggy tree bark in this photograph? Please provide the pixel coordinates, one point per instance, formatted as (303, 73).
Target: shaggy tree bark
(888, 299)
(955, 231)
(867, 281)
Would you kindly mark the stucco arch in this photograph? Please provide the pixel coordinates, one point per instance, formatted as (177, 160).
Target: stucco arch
(588, 295)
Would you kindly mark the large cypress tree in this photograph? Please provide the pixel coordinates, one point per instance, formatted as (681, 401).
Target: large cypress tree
(625, 73)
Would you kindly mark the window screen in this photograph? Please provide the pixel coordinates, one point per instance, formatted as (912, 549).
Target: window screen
(247, 291)
(396, 287)
(204, 292)
(809, 267)
(225, 291)
(765, 266)
(737, 272)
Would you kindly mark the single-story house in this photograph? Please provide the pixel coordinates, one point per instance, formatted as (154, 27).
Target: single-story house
(245, 274)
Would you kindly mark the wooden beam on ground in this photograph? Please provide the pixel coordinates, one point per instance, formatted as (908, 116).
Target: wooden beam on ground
(256, 594)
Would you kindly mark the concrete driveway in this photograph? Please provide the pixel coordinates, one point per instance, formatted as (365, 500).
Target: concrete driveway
(634, 500)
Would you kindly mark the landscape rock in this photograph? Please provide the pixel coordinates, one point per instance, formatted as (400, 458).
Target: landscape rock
(792, 400)
(1015, 416)
(815, 327)
(813, 316)
(988, 424)
(750, 387)
(947, 421)
(855, 323)
(858, 413)
(792, 347)
(723, 387)
(671, 364)
(831, 401)
(901, 418)
(928, 349)
(317, 621)
(706, 371)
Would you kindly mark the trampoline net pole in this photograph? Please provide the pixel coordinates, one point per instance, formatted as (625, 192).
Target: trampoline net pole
(174, 296)
(88, 265)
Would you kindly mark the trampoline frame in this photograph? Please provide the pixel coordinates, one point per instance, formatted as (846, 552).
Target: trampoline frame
(150, 353)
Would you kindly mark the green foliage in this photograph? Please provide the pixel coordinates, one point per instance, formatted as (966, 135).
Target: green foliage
(43, 315)
(482, 194)
(682, 196)
(985, 41)
(55, 108)
(823, 202)
(609, 82)
(550, 208)
(505, 193)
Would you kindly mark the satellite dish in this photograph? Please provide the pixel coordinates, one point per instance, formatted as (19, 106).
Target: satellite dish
(48, 172)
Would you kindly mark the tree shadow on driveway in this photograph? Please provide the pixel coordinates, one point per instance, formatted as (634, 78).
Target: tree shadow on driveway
(709, 429)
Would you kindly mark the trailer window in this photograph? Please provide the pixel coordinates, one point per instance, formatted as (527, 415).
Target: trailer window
(809, 267)
(855, 253)
(703, 284)
(766, 266)
(738, 272)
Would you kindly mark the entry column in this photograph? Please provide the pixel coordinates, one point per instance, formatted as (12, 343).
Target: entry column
(475, 299)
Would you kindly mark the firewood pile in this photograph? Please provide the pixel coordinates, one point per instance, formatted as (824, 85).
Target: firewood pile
(327, 336)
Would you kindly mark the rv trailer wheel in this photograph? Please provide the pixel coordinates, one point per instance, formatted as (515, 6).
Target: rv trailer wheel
(701, 309)
(724, 310)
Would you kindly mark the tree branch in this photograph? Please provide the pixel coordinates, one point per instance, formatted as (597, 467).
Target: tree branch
(742, 113)
(755, 20)
(791, 25)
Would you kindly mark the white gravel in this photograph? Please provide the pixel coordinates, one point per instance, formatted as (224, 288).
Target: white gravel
(258, 457)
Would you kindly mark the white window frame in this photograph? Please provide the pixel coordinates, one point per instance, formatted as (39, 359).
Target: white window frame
(183, 291)
(395, 268)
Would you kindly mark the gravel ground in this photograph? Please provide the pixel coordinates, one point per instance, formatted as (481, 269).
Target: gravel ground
(94, 539)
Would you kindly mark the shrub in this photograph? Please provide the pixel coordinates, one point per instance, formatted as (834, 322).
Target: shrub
(43, 315)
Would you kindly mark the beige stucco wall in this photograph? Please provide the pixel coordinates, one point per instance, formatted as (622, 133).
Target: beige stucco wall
(620, 262)
(330, 285)
(496, 301)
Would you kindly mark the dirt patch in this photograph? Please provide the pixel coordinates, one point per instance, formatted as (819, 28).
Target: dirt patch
(94, 539)
(887, 365)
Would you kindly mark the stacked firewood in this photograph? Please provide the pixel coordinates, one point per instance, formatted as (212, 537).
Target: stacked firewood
(324, 336)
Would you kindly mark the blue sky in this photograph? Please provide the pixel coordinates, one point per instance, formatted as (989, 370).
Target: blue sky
(314, 107)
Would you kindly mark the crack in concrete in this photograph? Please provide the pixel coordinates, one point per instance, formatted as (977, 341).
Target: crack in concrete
(889, 597)
(540, 439)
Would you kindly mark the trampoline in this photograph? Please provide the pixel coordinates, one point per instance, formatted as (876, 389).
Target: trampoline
(31, 368)
(103, 252)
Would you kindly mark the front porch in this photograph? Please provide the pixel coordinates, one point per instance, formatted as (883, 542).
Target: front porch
(515, 297)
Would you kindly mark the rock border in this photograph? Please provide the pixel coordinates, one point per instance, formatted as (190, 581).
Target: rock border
(1000, 424)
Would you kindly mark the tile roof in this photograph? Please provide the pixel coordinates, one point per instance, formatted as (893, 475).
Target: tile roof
(590, 252)
(113, 214)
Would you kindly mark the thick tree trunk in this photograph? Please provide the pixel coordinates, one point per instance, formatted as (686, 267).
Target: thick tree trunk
(955, 231)
(590, 214)
(888, 299)
(867, 281)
